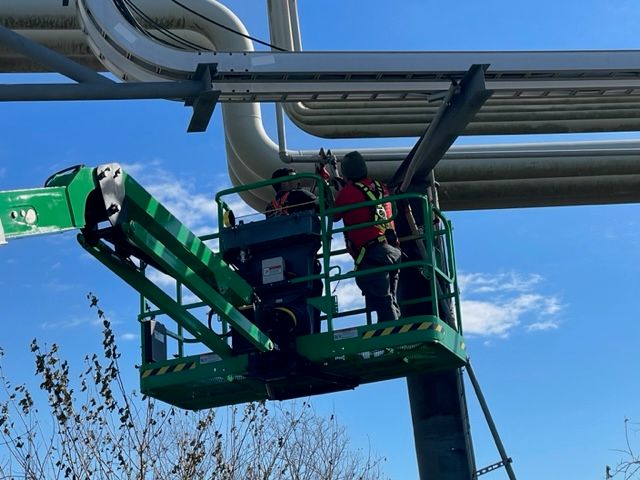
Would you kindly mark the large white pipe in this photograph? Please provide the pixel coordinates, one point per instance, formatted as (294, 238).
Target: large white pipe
(498, 116)
(252, 155)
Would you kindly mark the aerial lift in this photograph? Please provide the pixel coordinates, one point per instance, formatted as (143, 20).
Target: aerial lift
(280, 336)
(276, 340)
(281, 332)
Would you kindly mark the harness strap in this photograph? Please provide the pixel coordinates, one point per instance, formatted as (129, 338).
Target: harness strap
(378, 212)
(279, 207)
(363, 249)
(367, 191)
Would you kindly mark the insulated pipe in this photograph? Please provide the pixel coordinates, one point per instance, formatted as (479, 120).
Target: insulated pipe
(471, 163)
(70, 43)
(549, 192)
(348, 120)
(351, 121)
(252, 155)
(499, 115)
(354, 123)
(54, 60)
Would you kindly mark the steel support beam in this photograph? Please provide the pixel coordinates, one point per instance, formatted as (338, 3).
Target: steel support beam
(204, 104)
(438, 407)
(460, 105)
(94, 91)
(506, 461)
(442, 436)
(440, 427)
(49, 58)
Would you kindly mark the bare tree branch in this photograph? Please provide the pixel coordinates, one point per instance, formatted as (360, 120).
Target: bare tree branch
(100, 430)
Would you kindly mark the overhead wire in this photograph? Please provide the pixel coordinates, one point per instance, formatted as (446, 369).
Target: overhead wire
(181, 41)
(229, 29)
(125, 12)
(121, 5)
(124, 5)
(177, 38)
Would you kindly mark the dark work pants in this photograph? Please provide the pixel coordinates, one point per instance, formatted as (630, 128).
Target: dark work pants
(379, 289)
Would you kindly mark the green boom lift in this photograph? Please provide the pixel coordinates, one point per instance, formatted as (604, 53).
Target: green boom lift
(271, 284)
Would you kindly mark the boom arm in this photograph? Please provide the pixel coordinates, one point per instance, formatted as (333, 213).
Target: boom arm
(137, 225)
(57, 207)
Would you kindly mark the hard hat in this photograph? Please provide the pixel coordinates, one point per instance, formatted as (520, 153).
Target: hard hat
(282, 172)
(353, 166)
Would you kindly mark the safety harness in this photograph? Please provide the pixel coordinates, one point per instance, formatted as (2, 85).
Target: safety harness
(379, 214)
(279, 205)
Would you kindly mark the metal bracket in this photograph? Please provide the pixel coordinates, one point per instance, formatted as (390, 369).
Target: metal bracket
(111, 180)
(205, 103)
(461, 103)
(324, 304)
(492, 467)
(505, 459)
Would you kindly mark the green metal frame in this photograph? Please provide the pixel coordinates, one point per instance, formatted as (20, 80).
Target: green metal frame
(344, 357)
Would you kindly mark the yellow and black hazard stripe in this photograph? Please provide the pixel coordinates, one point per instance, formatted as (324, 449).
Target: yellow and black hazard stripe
(410, 327)
(179, 367)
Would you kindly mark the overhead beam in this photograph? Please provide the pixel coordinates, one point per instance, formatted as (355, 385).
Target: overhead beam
(460, 105)
(205, 103)
(49, 58)
(94, 91)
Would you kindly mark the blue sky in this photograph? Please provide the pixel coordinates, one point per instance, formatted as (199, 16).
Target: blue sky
(550, 294)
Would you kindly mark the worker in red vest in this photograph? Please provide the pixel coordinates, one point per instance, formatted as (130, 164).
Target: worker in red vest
(371, 246)
(290, 198)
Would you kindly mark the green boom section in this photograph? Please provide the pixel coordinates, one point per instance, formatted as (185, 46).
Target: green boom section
(170, 246)
(145, 210)
(131, 275)
(58, 207)
(138, 226)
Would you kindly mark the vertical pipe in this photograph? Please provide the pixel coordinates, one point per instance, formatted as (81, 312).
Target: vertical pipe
(282, 135)
(437, 402)
(280, 20)
(294, 20)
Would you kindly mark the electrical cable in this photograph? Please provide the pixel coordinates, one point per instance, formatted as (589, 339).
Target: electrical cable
(229, 29)
(121, 5)
(126, 13)
(131, 18)
(181, 40)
